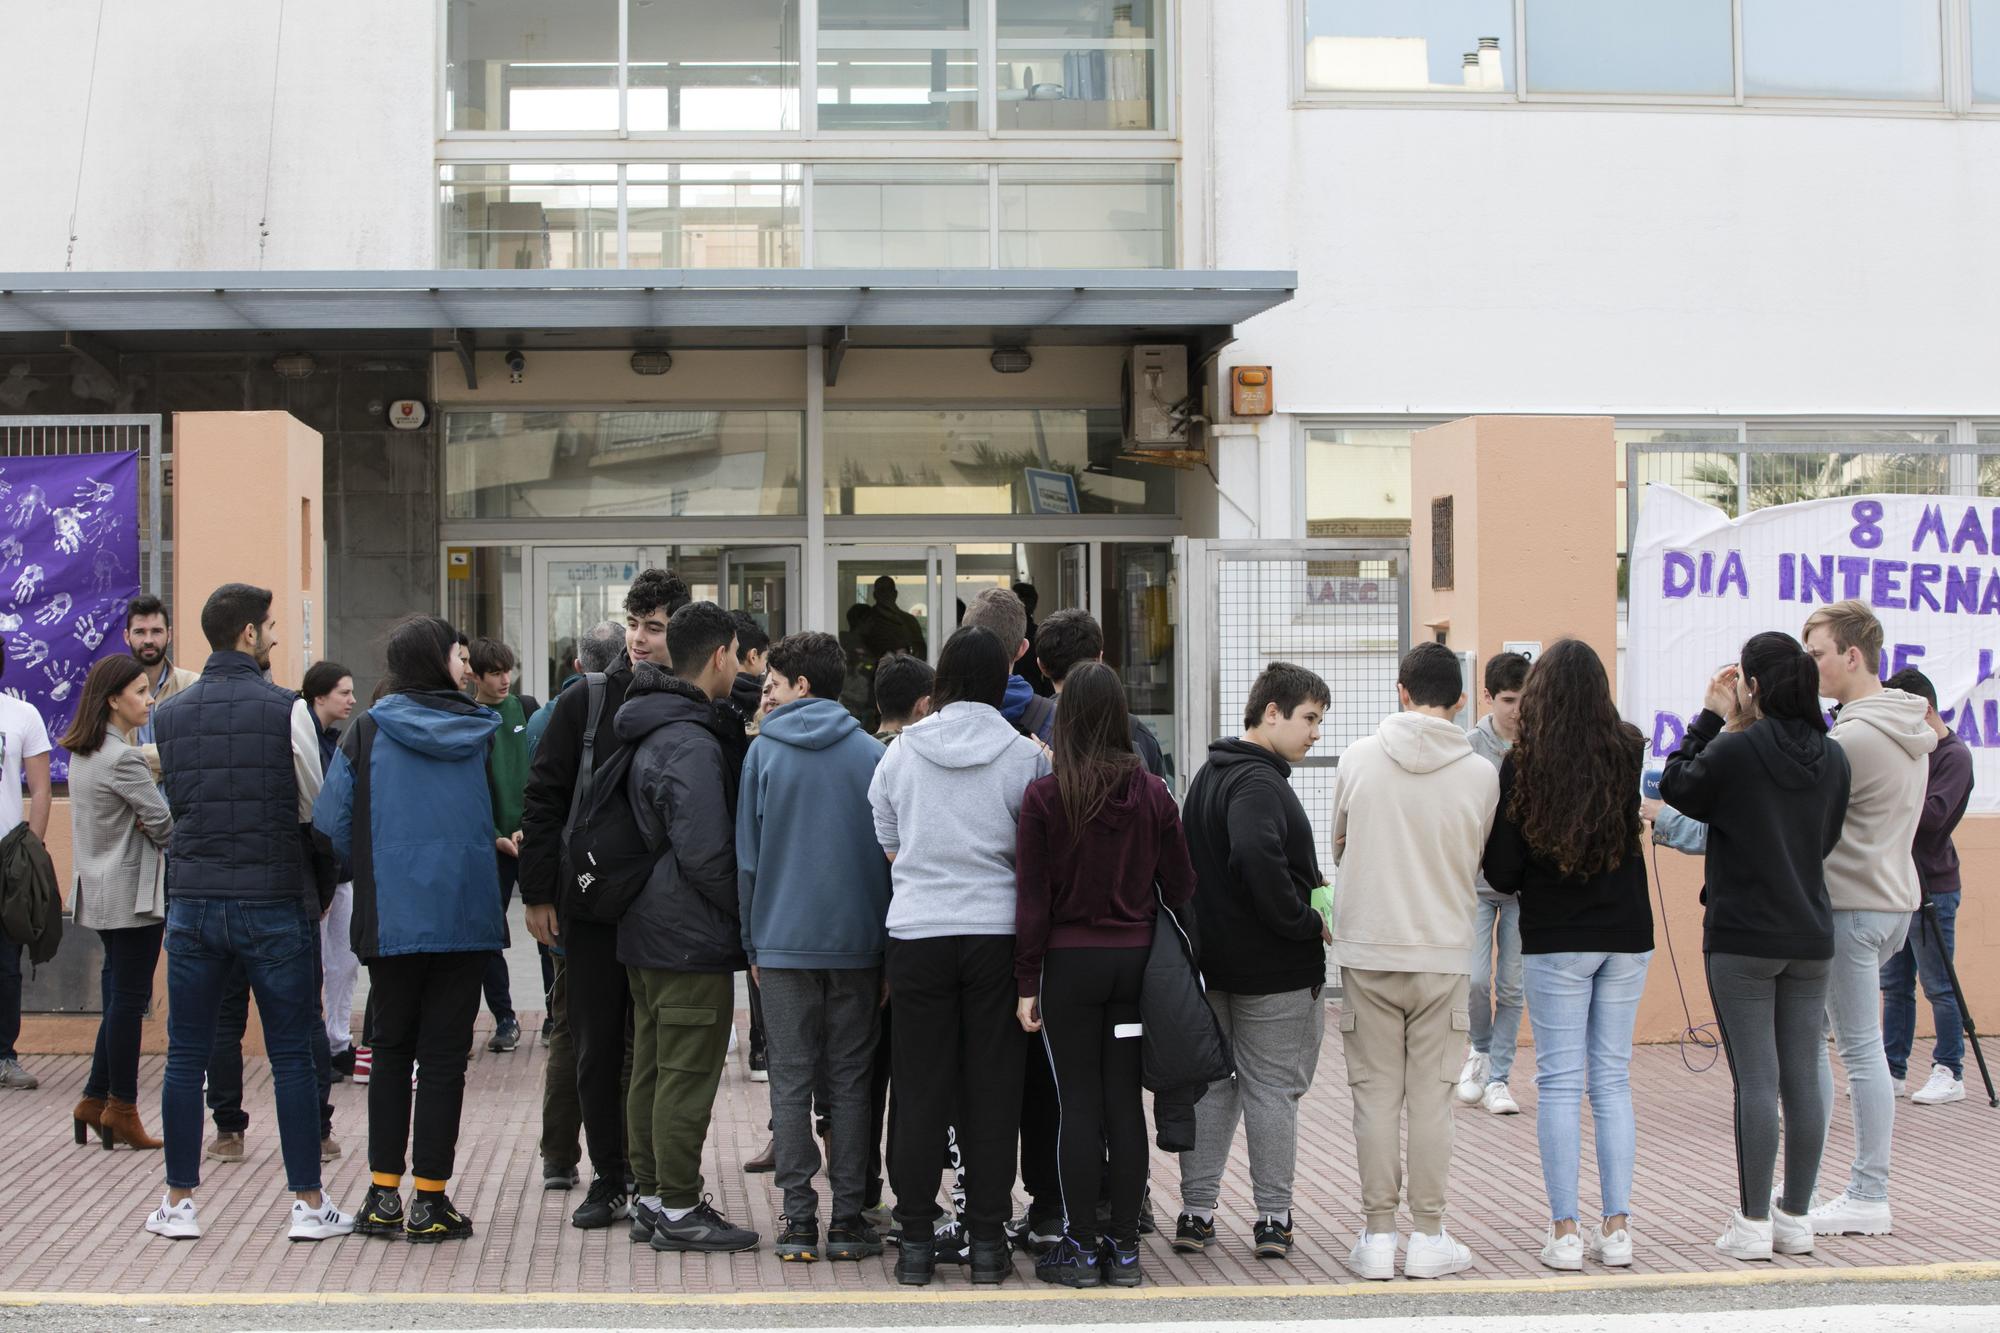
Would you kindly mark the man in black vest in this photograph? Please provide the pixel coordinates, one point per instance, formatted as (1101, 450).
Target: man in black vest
(240, 760)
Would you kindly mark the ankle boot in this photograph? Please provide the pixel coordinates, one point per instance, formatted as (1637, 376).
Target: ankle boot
(916, 1261)
(992, 1261)
(122, 1125)
(88, 1115)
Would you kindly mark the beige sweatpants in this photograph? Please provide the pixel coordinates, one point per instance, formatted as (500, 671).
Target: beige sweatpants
(1403, 1035)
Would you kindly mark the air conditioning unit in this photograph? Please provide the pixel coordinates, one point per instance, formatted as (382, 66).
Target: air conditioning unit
(1157, 408)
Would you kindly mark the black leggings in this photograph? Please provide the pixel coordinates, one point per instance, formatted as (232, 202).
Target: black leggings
(1772, 1016)
(1089, 997)
(427, 1004)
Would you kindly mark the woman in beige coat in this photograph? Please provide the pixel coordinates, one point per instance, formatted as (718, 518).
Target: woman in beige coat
(121, 824)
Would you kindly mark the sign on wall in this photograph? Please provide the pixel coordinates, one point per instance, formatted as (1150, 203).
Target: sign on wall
(1701, 583)
(69, 566)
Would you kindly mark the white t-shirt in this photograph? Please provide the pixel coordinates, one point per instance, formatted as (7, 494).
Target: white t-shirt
(23, 735)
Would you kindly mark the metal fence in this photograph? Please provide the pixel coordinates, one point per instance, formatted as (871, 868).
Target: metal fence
(33, 437)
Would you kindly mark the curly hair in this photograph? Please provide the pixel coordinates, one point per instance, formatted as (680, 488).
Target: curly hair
(1576, 765)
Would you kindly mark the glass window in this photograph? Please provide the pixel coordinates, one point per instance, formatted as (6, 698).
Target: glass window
(527, 65)
(1986, 50)
(697, 65)
(1078, 215)
(1139, 584)
(1682, 49)
(1887, 49)
(533, 215)
(902, 65)
(1441, 46)
(1785, 478)
(484, 596)
(650, 463)
(713, 215)
(1358, 481)
(975, 461)
(1079, 64)
(892, 215)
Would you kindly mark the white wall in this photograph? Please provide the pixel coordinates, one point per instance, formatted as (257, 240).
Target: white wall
(1630, 262)
(174, 173)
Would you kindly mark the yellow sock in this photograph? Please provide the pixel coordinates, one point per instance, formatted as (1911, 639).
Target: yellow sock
(385, 1180)
(429, 1186)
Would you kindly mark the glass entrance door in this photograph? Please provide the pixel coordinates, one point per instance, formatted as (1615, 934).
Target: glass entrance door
(888, 599)
(575, 588)
(760, 580)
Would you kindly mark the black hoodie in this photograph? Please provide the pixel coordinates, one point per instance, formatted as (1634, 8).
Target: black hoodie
(1255, 867)
(1774, 798)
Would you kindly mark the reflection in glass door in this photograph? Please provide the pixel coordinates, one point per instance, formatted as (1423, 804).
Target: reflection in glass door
(576, 588)
(888, 599)
(760, 580)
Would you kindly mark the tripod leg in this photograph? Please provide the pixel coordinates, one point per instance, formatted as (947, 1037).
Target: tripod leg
(1929, 914)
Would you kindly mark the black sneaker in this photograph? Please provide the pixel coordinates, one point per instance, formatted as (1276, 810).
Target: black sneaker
(916, 1262)
(506, 1035)
(798, 1240)
(992, 1261)
(1118, 1263)
(381, 1213)
(343, 1065)
(1273, 1239)
(1146, 1227)
(432, 1219)
(953, 1244)
(1067, 1264)
(702, 1229)
(760, 1065)
(1192, 1235)
(645, 1220)
(852, 1238)
(606, 1203)
(559, 1177)
(1035, 1230)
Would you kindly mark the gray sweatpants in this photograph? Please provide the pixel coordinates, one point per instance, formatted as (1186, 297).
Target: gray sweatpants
(1770, 1012)
(821, 1019)
(1276, 1042)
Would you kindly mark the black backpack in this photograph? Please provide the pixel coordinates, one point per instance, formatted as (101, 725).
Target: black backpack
(606, 857)
(1040, 708)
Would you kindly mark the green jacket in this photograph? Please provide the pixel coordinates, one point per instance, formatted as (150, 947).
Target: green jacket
(507, 766)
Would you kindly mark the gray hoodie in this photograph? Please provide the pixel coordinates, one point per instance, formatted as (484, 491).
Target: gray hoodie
(946, 798)
(1887, 740)
(1491, 746)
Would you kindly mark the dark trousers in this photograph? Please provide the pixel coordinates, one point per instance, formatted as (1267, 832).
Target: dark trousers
(499, 992)
(878, 1111)
(1921, 957)
(562, 1117)
(425, 1017)
(126, 986)
(1041, 1120)
(600, 1023)
(1088, 996)
(757, 1041)
(1771, 1013)
(957, 1049)
(225, 1066)
(10, 995)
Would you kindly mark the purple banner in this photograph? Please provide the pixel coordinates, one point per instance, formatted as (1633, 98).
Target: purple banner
(69, 566)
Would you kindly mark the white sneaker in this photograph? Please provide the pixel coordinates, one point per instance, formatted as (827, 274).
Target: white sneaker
(1944, 1086)
(1435, 1256)
(732, 1040)
(174, 1221)
(1472, 1078)
(321, 1223)
(1374, 1256)
(1790, 1233)
(1563, 1253)
(1897, 1086)
(1745, 1239)
(1499, 1101)
(1612, 1249)
(1842, 1216)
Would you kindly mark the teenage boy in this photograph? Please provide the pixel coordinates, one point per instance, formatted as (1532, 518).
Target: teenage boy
(999, 610)
(493, 664)
(902, 693)
(1412, 806)
(813, 894)
(1871, 878)
(1070, 636)
(1496, 995)
(1947, 790)
(1263, 953)
(599, 996)
(753, 647)
(681, 940)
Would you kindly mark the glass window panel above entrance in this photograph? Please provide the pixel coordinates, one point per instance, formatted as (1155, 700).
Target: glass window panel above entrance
(909, 66)
(977, 461)
(531, 66)
(713, 215)
(635, 462)
(700, 66)
(530, 215)
(1440, 46)
(901, 215)
(1080, 65)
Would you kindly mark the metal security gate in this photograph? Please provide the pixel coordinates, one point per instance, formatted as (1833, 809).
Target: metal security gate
(1340, 608)
(33, 437)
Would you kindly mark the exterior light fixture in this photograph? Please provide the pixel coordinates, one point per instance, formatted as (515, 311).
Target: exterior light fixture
(1012, 360)
(295, 366)
(652, 361)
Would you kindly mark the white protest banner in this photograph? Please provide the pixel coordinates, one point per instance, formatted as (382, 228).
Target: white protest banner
(1701, 583)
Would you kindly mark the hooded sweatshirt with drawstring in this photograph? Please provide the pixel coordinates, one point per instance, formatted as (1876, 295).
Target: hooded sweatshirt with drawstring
(1412, 807)
(1888, 744)
(947, 797)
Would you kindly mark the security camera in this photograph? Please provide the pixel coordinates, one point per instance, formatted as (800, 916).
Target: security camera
(517, 366)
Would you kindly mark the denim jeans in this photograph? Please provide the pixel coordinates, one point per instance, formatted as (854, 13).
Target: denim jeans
(10, 995)
(1920, 957)
(1862, 943)
(498, 985)
(1583, 1006)
(1496, 1000)
(225, 1060)
(276, 942)
(126, 987)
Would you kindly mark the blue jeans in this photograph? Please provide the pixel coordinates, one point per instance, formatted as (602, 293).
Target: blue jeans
(1920, 956)
(126, 986)
(1496, 1002)
(1583, 1006)
(276, 943)
(1863, 942)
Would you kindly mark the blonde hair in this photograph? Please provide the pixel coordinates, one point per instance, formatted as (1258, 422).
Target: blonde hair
(1852, 625)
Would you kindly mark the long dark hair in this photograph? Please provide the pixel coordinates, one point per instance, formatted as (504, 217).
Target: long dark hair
(972, 669)
(1786, 677)
(1093, 743)
(419, 655)
(1576, 765)
(111, 677)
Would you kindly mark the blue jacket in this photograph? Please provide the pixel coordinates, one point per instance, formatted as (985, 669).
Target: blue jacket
(411, 773)
(226, 763)
(539, 721)
(812, 883)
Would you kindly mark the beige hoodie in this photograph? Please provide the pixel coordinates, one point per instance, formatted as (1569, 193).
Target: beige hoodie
(1887, 742)
(1411, 810)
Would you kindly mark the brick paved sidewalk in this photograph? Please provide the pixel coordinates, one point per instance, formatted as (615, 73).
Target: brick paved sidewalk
(70, 1218)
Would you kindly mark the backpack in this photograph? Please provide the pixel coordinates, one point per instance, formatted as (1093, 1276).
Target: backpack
(1038, 712)
(606, 858)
